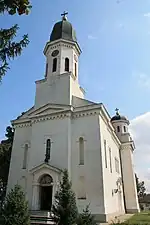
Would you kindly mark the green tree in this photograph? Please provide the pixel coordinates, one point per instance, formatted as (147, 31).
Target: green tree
(15, 210)
(9, 49)
(5, 156)
(2, 193)
(141, 190)
(65, 209)
(86, 218)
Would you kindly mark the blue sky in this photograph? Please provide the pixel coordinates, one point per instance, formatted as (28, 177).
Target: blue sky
(114, 65)
(114, 36)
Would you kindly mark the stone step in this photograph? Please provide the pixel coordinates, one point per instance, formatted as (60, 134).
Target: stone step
(41, 217)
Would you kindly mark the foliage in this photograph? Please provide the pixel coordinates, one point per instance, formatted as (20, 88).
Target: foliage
(15, 210)
(9, 49)
(140, 188)
(5, 155)
(86, 218)
(2, 193)
(65, 209)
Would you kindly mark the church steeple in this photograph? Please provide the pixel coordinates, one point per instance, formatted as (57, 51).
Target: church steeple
(62, 51)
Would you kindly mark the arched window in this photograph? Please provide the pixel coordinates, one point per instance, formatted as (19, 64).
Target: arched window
(118, 129)
(124, 128)
(105, 149)
(46, 70)
(75, 69)
(54, 65)
(67, 64)
(26, 147)
(81, 151)
(48, 149)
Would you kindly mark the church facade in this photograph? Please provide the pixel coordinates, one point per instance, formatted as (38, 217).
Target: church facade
(65, 130)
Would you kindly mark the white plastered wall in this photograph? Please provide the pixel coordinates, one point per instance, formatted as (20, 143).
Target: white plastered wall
(114, 204)
(17, 175)
(88, 128)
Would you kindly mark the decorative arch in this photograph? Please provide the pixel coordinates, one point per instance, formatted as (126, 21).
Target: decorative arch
(46, 179)
(67, 64)
(81, 151)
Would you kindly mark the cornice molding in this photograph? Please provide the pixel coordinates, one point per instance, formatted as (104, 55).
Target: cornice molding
(127, 145)
(62, 42)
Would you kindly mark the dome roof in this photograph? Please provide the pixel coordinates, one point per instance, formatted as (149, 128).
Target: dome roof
(63, 30)
(118, 116)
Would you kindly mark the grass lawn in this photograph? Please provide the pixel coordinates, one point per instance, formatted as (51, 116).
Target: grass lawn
(142, 218)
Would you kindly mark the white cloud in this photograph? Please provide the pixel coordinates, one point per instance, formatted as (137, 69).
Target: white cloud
(140, 130)
(92, 37)
(147, 14)
(142, 79)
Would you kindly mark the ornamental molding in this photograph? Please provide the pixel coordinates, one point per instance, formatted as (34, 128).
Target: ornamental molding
(21, 125)
(82, 114)
(41, 81)
(126, 146)
(74, 113)
(61, 42)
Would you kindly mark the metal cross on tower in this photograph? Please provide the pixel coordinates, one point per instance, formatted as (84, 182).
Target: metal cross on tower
(117, 111)
(64, 15)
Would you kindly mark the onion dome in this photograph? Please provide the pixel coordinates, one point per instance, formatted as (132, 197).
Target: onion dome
(63, 30)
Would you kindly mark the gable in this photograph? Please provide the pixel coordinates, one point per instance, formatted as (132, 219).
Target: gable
(44, 110)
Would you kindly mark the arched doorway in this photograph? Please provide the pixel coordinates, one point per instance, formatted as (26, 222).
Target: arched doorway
(46, 191)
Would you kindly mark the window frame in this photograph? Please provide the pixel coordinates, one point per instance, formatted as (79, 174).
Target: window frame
(66, 64)
(81, 151)
(54, 68)
(25, 157)
(105, 151)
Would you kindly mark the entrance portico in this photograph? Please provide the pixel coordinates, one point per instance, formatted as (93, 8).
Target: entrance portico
(44, 186)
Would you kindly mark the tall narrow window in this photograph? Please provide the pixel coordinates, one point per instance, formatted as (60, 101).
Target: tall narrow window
(81, 151)
(75, 69)
(48, 149)
(118, 129)
(25, 156)
(124, 129)
(110, 160)
(117, 165)
(105, 149)
(54, 65)
(67, 64)
(46, 70)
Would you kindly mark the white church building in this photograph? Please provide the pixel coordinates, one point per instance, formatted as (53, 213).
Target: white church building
(65, 130)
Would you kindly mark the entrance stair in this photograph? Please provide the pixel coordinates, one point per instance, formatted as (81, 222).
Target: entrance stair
(41, 218)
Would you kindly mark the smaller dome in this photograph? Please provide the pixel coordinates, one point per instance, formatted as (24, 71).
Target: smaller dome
(118, 116)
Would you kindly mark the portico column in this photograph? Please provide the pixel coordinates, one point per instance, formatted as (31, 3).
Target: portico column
(35, 197)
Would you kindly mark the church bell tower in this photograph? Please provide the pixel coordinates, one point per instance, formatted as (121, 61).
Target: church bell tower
(62, 53)
(120, 124)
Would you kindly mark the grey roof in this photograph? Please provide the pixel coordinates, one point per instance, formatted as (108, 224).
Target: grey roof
(118, 117)
(63, 30)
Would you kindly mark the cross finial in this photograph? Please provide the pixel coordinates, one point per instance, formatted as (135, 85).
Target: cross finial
(117, 111)
(64, 15)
